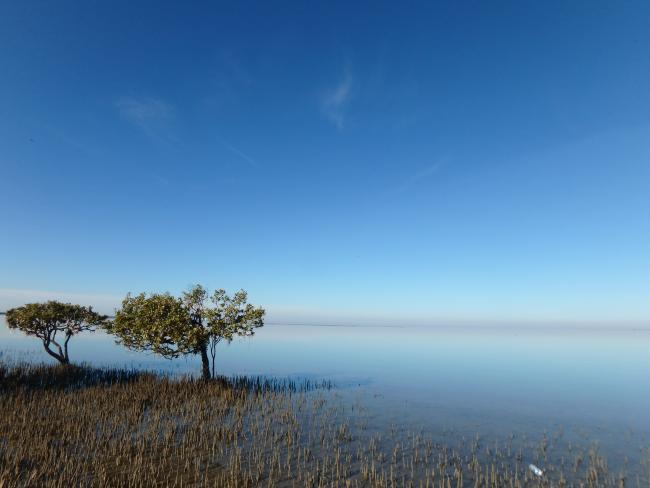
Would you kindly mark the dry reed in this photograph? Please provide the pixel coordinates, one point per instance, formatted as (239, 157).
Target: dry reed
(78, 426)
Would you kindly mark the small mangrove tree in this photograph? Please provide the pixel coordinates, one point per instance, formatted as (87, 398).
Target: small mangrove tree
(194, 323)
(54, 323)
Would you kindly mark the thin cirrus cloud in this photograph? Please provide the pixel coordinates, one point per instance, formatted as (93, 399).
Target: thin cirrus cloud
(252, 162)
(151, 115)
(336, 100)
(420, 175)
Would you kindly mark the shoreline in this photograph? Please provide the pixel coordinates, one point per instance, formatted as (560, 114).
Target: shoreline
(132, 428)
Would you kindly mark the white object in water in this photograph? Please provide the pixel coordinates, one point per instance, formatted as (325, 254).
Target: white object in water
(535, 470)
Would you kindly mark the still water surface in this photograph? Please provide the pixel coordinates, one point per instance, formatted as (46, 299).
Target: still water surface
(593, 384)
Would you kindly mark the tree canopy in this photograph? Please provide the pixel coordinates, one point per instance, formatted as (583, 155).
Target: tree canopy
(191, 324)
(54, 323)
(158, 323)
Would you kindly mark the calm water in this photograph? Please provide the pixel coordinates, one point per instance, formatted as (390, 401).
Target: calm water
(592, 384)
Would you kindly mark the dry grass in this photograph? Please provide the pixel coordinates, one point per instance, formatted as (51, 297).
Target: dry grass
(84, 427)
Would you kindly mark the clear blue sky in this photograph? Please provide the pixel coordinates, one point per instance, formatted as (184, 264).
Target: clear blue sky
(456, 160)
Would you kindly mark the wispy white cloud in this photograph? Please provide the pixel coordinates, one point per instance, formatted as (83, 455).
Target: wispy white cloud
(335, 101)
(429, 170)
(148, 114)
(239, 153)
(423, 173)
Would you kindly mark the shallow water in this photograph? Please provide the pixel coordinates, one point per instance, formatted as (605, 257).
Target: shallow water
(583, 385)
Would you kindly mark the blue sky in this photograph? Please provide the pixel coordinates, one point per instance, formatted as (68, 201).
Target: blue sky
(481, 161)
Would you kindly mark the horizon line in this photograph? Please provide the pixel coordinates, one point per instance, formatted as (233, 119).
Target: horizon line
(508, 324)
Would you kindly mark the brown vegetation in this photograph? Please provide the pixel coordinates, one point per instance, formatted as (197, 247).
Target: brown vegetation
(83, 427)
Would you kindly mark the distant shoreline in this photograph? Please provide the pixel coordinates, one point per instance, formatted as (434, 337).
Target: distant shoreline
(478, 326)
(524, 327)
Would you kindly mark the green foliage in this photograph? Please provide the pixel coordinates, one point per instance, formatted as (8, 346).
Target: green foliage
(230, 317)
(54, 323)
(159, 323)
(172, 326)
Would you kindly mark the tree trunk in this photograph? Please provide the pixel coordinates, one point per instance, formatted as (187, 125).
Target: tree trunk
(205, 361)
(59, 357)
(65, 348)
